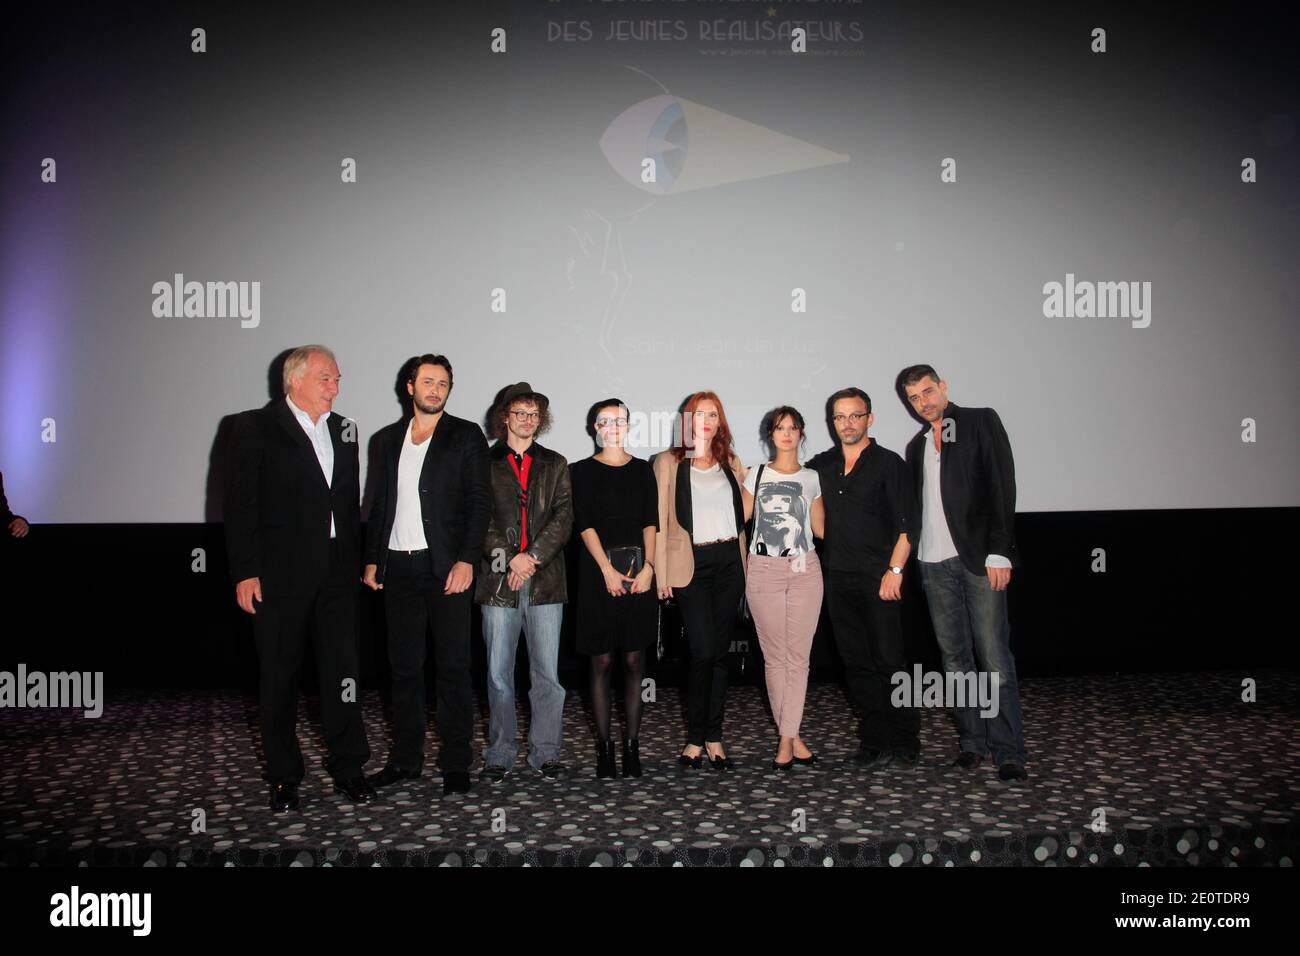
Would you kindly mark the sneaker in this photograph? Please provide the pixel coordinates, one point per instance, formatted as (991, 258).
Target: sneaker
(494, 773)
(551, 770)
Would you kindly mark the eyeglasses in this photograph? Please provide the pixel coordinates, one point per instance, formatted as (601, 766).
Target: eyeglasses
(856, 416)
(522, 416)
(608, 422)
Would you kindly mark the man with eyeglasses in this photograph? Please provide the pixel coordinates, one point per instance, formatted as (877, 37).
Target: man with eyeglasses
(522, 581)
(870, 516)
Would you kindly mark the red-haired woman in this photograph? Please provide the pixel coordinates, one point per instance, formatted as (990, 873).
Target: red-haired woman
(700, 560)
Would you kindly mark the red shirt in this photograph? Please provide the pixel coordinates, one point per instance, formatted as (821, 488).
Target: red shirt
(521, 475)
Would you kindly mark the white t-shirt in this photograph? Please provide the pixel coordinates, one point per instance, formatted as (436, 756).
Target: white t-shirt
(783, 511)
(713, 511)
(408, 519)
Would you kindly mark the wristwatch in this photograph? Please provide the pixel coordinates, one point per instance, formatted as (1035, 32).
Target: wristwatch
(896, 569)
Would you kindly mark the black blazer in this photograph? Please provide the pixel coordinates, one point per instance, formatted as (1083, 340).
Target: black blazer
(277, 505)
(454, 496)
(6, 515)
(977, 483)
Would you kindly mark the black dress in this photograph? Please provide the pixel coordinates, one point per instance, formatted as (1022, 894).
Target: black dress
(618, 502)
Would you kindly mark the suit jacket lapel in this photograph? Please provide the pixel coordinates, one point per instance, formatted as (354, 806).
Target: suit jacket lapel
(289, 422)
(336, 439)
(685, 517)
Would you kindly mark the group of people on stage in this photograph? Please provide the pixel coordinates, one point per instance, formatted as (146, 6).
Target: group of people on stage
(455, 521)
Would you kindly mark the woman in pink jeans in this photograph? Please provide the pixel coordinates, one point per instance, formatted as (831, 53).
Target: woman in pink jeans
(783, 577)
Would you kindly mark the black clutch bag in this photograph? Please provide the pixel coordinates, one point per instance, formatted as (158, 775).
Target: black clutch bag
(629, 560)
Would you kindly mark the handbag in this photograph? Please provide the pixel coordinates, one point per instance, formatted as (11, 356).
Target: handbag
(753, 523)
(627, 560)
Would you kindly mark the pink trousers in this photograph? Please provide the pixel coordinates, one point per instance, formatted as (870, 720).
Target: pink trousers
(785, 599)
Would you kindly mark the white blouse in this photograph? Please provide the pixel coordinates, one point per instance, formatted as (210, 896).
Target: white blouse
(712, 512)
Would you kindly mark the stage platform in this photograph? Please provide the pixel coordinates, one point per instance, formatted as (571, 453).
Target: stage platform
(1183, 770)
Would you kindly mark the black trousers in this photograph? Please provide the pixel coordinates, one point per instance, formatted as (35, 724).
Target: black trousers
(709, 605)
(280, 629)
(414, 599)
(869, 636)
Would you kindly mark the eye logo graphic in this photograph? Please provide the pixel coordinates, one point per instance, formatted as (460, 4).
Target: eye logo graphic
(695, 147)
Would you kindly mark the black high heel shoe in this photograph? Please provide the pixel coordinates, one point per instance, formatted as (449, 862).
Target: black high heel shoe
(605, 765)
(777, 765)
(693, 763)
(806, 761)
(720, 763)
(631, 757)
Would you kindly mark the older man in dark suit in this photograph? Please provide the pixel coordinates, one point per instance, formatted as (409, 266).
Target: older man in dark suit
(293, 533)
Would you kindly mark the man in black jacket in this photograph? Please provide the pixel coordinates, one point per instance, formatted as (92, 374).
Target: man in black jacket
(293, 529)
(964, 474)
(425, 536)
(521, 581)
(15, 524)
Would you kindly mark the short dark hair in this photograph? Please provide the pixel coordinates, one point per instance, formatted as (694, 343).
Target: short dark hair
(914, 373)
(773, 419)
(499, 429)
(851, 392)
(595, 410)
(428, 358)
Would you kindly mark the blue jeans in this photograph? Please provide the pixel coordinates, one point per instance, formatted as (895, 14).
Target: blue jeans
(970, 623)
(541, 624)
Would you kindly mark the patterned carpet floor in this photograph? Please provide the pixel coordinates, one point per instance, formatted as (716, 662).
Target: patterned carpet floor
(1124, 770)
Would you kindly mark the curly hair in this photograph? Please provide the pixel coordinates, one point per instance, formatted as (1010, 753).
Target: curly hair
(499, 429)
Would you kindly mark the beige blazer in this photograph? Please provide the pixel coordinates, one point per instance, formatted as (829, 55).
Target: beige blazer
(674, 557)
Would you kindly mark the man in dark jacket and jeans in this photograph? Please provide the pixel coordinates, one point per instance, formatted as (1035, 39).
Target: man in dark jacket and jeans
(963, 471)
(521, 580)
(424, 539)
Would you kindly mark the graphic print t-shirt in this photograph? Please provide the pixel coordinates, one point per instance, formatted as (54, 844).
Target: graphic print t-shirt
(783, 511)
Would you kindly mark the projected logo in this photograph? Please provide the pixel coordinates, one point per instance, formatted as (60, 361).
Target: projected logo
(689, 147)
(692, 146)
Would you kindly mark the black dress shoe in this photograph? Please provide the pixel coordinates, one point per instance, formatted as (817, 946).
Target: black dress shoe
(631, 757)
(721, 763)
(906, 757)
(868, 757)
(777, 765)
(1012, 771)
(455, 781)
(693, 763)
(806, 761)
(355, 789)
(284, 797)
(391, 774)
(967, 760)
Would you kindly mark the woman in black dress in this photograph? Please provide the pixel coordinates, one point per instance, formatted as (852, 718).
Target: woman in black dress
(616, 513)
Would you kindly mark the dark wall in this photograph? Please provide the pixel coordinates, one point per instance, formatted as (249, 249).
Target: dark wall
(1183, 590)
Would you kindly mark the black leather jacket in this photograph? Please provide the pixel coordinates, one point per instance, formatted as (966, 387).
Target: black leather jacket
(550, 520)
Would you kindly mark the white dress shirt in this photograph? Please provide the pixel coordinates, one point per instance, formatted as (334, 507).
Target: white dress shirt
(319, 433)
(408, 519)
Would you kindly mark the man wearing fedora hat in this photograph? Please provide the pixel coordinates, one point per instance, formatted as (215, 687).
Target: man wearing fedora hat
(521, 581)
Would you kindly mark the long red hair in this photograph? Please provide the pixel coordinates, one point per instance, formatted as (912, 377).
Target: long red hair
(720, 446)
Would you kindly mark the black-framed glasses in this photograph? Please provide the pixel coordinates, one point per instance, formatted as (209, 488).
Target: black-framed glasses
(855, 416)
